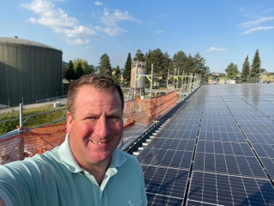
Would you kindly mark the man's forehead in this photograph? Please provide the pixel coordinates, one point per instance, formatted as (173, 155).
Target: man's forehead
(89, 92)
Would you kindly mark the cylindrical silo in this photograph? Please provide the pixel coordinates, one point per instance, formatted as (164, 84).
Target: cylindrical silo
(29, 71)
(140, 68)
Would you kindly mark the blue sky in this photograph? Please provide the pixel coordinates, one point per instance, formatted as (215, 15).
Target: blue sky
(221, 31)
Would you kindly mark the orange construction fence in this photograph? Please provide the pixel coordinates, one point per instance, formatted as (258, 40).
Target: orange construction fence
(39, 140)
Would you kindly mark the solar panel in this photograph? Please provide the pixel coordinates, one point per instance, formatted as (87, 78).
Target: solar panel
(213, 189)
(165, 186)
(167, 158)
(264, 150)
(173, 143)
(222, 136)
(218, 149)
(269, 166)
(218, 121)
(225, 148)
(258, 121)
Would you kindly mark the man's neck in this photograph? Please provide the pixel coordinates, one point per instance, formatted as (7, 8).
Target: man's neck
(99, 170)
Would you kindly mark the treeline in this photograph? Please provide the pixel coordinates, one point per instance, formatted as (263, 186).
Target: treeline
(162, 64)
(250, 73)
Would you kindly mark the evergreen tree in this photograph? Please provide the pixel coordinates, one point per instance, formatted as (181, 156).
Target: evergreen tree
(90, 69)
(232, 71)
(79, 71)
(255, 67)
(245, 70)
(84, 63)
(199, 62)
(105, 66)
(179, 60)
(166, 65)
(70, 74)
(117, 75)
(139, 56)
(155, 57)
(190, 65)
(127, 70)
(65, 68)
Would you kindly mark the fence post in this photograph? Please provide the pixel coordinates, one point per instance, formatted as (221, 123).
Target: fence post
(21, 123)
(21, 148)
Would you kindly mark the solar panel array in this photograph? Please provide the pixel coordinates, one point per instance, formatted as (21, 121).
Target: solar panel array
(217, 150)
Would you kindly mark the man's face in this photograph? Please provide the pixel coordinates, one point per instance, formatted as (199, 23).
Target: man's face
(96, 127)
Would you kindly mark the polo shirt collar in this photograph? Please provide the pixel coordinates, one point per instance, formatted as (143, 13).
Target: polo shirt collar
(72, 165)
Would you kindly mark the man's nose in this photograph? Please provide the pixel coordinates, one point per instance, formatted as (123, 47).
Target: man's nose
(102, 129)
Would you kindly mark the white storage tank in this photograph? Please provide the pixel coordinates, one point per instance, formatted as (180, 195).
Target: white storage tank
(140, 68)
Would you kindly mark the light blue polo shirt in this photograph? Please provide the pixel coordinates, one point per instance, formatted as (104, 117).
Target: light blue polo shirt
(55, 178)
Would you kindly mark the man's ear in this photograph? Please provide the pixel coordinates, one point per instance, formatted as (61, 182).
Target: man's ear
(69, 121)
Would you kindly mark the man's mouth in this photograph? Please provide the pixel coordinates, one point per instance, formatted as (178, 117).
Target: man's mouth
(100, 143)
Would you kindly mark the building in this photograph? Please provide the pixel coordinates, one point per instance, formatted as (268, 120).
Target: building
(29, 71)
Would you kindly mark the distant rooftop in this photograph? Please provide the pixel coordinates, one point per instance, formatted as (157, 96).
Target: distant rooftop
(16, 40)
(217, 74)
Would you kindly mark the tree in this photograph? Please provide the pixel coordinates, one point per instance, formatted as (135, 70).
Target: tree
(127, 70)
(65, 68)
(255, 67)
(156, 57)
(117, 75)
(166, 65)
(90, 69)
(139, 56)
(245, 70)
(199, 63)
(70, 74)
(79, 71)
(179, 60)
(232, 71)
(199, 60)
(85, 66)
(104, 65)
(189, 65)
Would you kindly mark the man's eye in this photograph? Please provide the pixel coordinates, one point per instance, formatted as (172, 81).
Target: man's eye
(114, 117)
(91, 118)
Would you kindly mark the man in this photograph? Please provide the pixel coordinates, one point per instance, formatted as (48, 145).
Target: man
(86, 169)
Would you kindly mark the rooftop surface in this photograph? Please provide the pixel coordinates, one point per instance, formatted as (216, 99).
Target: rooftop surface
(218, 149)
(16, 40)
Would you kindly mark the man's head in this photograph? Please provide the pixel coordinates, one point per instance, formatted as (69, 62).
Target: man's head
(94, 119)
(99, 82)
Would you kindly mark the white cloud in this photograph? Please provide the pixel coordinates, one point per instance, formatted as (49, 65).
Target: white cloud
(78, 41)
(98, 3)
(112, 31)
(257, 22)
(59, 21)
(214, 49)
(113, 17)
(158, 32)
(256, 29)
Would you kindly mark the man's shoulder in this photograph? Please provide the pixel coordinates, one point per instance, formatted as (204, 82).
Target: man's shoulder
(131, 160)
(39, 162)
(126, 155)
(49, 159)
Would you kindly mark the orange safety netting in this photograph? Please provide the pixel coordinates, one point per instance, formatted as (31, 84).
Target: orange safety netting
(39, 140)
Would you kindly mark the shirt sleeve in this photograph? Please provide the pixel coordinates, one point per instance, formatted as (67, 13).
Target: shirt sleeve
(19, 182)
(6, 199)
(142, 182)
